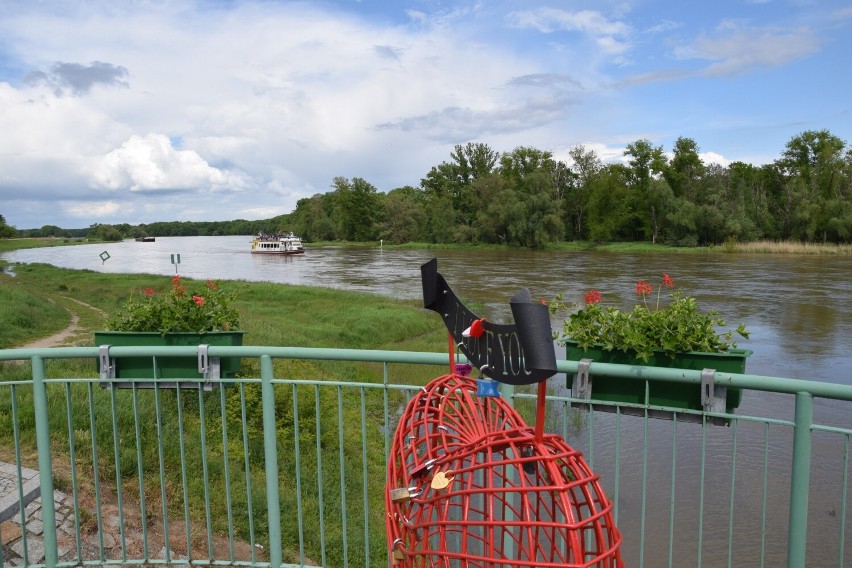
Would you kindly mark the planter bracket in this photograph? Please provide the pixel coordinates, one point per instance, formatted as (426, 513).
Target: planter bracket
(209, 367)
(713, 396)
(582, 386)
(107, 363)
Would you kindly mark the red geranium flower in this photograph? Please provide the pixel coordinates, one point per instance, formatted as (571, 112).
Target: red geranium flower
(647, 328)
(592, 297)
(643, 288)
(190, 307)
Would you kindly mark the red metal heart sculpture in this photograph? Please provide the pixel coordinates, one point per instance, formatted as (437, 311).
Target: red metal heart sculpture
(470, 485)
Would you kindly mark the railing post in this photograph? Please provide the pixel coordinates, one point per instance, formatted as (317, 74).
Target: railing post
(797, 538)
(45, 467)
(270, 455)
(508, 392)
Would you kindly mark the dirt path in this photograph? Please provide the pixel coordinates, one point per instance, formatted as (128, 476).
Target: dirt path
(62, 338)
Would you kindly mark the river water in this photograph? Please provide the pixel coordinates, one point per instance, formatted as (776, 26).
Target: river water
(798, 309)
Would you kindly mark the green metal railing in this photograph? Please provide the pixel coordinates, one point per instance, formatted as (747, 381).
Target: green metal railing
(284, 467)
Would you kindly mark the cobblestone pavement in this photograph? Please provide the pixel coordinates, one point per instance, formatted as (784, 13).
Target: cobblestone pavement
(14, 537)
(18, 533)
(78, 538)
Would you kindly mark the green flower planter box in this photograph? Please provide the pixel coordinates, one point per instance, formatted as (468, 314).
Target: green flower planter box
(168, 367)
(660, 393)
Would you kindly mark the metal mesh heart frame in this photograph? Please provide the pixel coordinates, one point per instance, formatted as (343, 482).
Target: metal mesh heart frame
(512, 500)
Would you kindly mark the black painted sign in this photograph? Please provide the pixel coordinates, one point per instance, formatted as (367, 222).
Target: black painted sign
(517, 354)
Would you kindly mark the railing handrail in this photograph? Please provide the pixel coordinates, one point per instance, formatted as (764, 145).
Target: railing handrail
(820, 389)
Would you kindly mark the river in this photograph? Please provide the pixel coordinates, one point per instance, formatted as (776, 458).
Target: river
(797, 307)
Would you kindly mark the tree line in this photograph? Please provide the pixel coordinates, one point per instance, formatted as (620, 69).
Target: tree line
(527, 198)
(120, 231)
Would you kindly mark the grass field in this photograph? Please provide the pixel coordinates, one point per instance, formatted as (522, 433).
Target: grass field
(767, 247)
(40, 299)
(12, 244)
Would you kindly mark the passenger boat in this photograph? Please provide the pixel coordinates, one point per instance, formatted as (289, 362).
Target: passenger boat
(145, 239)
(277, 243)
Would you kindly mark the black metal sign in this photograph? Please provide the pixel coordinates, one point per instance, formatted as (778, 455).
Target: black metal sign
(517, 354)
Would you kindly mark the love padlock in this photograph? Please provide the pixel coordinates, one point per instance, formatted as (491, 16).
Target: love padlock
(422, 468)
(398, 556)
(442, 480)
(400, 495)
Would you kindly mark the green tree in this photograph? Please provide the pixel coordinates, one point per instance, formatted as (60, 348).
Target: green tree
(441, 218)
(840, 221)
(646, 161)
(813, 164)
(405, 215)
(104, 232)
(682, 223)
(312, 218)
(585, 168)
(611, 210)
(454, 179)
(533, 211)
(6, 231)
(738, 204)
(756, 187)
(53, 231)
(356, 209)
(685, 171)
(499, 202)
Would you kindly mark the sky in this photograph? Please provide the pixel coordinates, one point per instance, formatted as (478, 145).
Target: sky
(145, 110)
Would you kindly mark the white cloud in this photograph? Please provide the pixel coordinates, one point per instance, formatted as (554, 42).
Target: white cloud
(151, 163)
(548, 20)
(46, 139)
(609, 35)
(609, 154)
(96, 209)
(606, 154)
(663, 26)
(737, 48)
(714, 158)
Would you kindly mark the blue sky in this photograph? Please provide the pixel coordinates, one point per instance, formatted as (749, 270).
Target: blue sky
(134, 112)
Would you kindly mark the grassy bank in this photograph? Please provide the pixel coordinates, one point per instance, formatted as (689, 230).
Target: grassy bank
(12, 244)
(789, 247)
(272, 314)
(26, 314)
(763, 247)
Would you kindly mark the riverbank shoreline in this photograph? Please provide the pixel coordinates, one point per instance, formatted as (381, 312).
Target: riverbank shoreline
(754, 247)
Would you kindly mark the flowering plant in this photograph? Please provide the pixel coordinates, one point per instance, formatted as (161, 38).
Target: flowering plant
(201, 309)
(675, 328)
